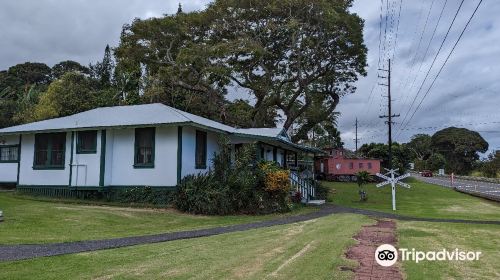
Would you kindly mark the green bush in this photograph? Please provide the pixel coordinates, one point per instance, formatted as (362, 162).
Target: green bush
(230, 188)
(142, 195)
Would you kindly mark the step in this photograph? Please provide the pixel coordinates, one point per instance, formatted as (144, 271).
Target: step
(316, 202)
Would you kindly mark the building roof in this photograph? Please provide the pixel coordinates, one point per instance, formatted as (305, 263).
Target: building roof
(145, 115)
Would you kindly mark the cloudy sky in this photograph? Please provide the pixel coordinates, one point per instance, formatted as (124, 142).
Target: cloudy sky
(465, 94)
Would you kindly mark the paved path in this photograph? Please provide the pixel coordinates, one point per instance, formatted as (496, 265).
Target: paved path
(21, 252)
(369, 238)
(478, 188)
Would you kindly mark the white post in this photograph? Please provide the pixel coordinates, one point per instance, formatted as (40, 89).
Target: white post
(393, 185)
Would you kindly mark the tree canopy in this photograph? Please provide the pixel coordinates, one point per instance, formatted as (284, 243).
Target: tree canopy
(298, 57)
(460, 147)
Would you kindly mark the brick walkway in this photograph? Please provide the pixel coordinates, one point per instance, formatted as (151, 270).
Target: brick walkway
(369, 238)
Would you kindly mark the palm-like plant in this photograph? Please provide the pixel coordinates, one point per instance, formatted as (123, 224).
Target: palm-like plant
(362, 177)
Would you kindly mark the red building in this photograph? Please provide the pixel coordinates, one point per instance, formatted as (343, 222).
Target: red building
(342, 165)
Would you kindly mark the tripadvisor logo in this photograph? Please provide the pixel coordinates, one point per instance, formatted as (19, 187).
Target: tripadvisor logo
(387, 255)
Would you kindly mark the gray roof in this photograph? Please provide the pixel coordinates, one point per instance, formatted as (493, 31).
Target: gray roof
(118, 116)
(143, 115)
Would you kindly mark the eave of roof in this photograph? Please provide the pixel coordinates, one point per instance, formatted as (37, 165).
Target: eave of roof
(148, 115)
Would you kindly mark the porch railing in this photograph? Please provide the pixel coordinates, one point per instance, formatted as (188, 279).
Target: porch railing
(305, 186)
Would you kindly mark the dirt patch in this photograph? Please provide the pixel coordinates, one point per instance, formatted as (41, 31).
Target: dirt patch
(369, 238)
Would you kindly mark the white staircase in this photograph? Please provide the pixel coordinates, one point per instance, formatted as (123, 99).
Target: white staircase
(306, 187)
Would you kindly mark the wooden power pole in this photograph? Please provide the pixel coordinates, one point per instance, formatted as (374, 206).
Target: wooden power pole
(356, 139)
(389, 116)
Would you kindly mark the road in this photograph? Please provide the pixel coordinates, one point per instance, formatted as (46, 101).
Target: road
(483, 189)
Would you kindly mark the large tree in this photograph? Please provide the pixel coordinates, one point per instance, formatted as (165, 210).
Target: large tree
(296, 56)
(460, 147)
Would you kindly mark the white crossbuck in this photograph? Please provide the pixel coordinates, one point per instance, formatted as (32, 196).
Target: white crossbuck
(393, 181)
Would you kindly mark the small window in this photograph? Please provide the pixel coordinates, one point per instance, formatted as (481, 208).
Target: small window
(49, 151)
(360, 165)
(9, 153)
(369, 165)
(144, 147)
(201, 150)
(351, 165)
(86, 142)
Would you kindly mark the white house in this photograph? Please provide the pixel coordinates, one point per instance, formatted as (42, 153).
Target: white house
(125, 146)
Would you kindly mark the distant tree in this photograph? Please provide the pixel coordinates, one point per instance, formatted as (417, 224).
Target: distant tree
(435, 161)
(420, 147)
(31, 73)
(400, 154)
(103, 71)
(460, 147)
(325, 135)
(63, 67)
(71, 94)
(491, 166)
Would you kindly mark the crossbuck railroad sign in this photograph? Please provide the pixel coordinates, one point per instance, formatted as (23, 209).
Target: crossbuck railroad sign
(393, 181)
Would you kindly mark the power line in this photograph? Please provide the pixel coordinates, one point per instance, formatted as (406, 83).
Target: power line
(433, 62)
(427, 48)
(447, 58)
(420, 41)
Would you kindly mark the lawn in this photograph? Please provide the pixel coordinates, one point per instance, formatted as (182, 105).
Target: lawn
(422, 200)
(32, 221)
(465, 237)
(307, 250)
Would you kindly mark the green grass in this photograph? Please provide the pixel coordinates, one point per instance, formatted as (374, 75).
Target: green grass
(422, 200)
(32, 221)
(307, 250)
(438, 236)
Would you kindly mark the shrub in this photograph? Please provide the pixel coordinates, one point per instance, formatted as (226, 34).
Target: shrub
(321, 191)
(142, 195)
(234, 187)
(275, 178)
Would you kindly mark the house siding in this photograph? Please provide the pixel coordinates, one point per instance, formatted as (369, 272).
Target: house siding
(86, 167)
(29, 176)
(189, 150)
(120, 159)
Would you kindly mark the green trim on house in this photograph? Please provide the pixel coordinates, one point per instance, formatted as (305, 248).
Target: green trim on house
(71, 158)
(136, 149)
(19, 158)
(179, 154)
(102, 168)
(275, 154)
(48, 167)
(79, 144)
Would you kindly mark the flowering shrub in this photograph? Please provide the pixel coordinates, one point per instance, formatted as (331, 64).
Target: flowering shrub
(235, 187)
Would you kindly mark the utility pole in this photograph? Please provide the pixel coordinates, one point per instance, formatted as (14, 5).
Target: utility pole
(356, 139)
(389, 116)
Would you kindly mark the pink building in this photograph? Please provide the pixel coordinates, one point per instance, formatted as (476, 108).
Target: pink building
(342, 165)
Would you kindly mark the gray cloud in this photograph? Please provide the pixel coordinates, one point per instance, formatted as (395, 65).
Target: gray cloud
(467, 92)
